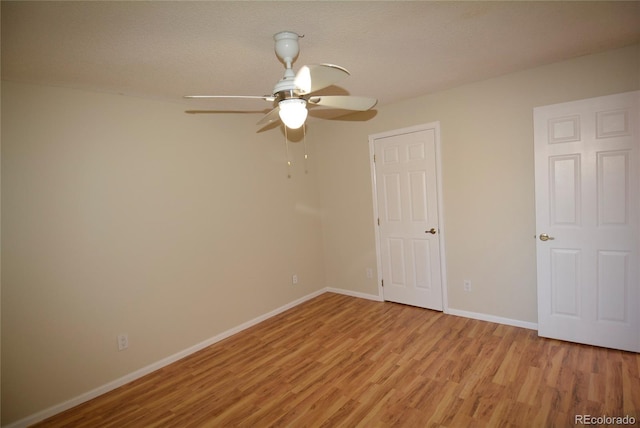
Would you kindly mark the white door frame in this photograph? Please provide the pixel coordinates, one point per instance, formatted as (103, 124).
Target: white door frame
(417, 128)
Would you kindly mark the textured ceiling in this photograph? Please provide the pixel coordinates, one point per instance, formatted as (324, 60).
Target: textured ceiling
(394, 50)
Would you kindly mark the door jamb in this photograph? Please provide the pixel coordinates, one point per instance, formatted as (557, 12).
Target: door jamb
(443, 266)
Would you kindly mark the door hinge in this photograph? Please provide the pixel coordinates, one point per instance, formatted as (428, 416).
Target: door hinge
(382, 281)
(374, 158)
(378, 221)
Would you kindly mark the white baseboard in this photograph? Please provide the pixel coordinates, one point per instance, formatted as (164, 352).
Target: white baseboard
(58, 408)
(492, 318)
(354, 294)
(450, 311)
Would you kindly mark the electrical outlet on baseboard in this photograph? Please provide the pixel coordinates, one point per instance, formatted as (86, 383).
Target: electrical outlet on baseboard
(467, 285)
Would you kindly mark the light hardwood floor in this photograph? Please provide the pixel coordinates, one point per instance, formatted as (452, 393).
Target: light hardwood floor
(340, 361)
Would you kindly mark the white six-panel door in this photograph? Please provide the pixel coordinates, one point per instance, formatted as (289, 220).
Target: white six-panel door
(407, 204)
(588, 204)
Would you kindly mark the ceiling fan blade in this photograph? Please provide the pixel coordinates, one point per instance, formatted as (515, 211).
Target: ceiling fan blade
(346, 102)
(270, 117)
(263, 97)
(311, 78)
(202, 111)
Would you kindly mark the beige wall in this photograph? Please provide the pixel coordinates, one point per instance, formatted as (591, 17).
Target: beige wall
(124, 215)
(127, 215)
(488, 179)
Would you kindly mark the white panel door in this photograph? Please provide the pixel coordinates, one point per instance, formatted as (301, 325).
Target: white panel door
(587, 157)
(407, 198)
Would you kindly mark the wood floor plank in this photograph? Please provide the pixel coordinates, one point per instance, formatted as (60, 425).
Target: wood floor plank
(340, 361)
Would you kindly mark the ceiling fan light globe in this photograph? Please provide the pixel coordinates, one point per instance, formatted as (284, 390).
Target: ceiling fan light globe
(293, 112)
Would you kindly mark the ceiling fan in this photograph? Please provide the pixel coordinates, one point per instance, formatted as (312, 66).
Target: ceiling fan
(295, 91)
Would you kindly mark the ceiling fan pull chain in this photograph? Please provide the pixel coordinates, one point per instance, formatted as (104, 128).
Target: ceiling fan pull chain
(304, 141)
(286, 145)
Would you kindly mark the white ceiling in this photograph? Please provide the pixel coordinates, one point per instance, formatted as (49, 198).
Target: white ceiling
(394, 50)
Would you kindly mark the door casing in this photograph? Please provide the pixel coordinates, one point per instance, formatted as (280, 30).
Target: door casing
(435, 126)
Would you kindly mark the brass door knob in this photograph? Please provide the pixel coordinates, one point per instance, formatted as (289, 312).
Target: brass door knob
(432, 231)
(545, 237)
